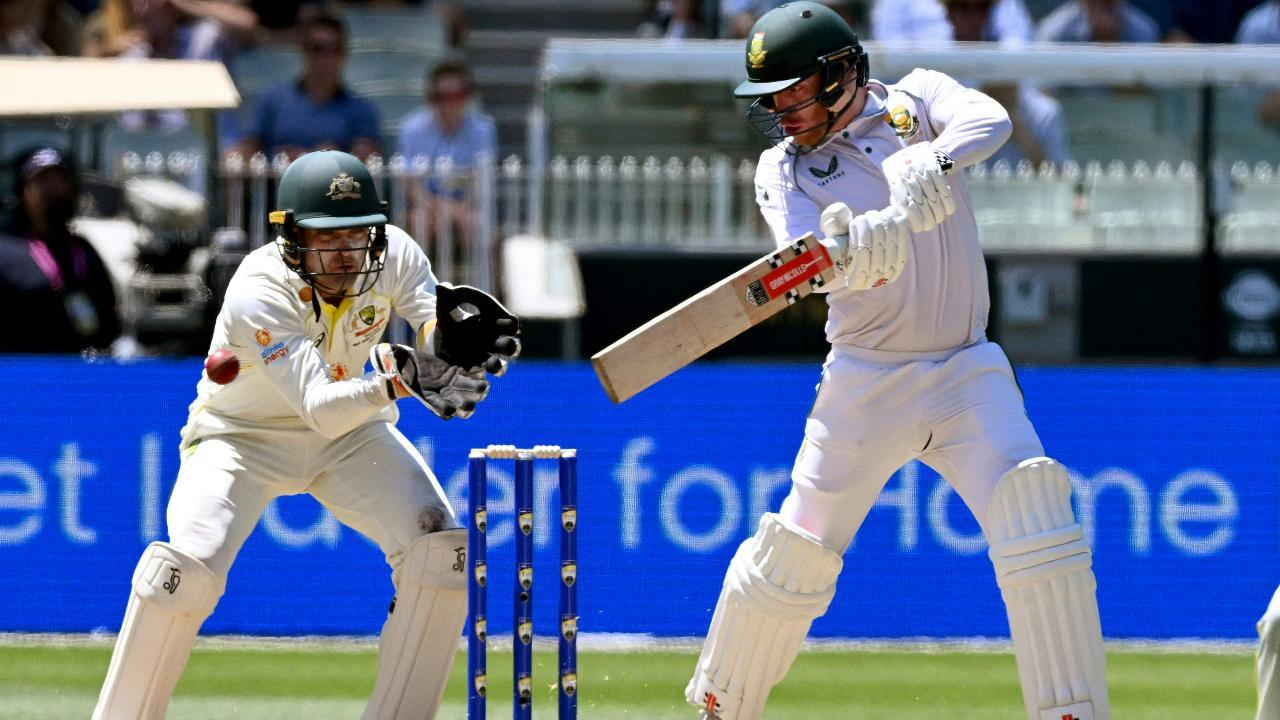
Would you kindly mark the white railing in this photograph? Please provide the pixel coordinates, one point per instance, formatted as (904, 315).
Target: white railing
(708, 205)
(1117, 209)
(1252, 223)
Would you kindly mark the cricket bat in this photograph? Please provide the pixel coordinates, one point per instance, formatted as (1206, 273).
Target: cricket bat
(712, 317)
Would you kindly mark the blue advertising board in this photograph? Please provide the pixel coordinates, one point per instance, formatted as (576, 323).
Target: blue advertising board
(1175, 473)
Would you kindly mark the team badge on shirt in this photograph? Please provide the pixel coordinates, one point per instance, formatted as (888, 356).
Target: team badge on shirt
(902, 121)
(343, 187)
(367, 314)
(755, 56)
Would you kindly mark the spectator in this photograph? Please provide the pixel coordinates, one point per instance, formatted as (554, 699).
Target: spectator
(280, 20)
(1007, 21)
(53, 278)
(737, 16)
(1203, 22)
(1039, 133)
(450, 126)
(673, 20)
(18, 34)
(169, 29)
(1262, 27)
(316, 111)
(1038, 130)
(1102, 21)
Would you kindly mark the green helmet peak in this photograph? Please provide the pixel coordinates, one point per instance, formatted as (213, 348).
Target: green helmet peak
(792, 42)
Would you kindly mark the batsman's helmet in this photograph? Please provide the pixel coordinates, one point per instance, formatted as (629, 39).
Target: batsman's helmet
(787, 45)
(329, 190)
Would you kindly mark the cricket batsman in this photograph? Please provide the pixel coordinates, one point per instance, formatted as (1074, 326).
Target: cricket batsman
(911, 374)
(302, 314)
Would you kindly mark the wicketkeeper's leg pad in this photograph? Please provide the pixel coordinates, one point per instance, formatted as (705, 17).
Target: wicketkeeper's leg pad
(778, 582)
(1044, 569)
(422, 631)
(172, 595)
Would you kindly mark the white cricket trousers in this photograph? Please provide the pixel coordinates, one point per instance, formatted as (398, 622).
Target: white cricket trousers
(372, 480)
(960, 412)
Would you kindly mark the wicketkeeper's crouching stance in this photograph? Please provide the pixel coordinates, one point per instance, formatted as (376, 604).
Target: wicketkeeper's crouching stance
(303, 314)
(911, 374)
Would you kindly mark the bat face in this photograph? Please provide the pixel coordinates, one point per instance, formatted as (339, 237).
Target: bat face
(712, 317)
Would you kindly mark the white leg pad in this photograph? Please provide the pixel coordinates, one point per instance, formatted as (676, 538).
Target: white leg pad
(1269, 661)
(421, 634)
(778, 582)
(1044, 569)
(172, 595)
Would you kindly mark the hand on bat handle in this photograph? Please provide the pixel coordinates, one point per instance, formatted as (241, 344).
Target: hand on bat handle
(918, 187)
(869, 250)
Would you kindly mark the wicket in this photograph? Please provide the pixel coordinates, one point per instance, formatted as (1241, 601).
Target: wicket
(522, 620)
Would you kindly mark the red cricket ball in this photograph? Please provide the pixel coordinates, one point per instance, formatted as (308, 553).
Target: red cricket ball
(222, 366)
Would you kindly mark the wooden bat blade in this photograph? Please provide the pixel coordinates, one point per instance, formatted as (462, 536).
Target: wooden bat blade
(712, 317)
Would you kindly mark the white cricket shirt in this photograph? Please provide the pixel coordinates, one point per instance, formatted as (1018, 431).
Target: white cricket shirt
(940, 301)
(300, 370)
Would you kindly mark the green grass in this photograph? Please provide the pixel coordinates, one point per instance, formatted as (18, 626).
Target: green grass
(59, 681)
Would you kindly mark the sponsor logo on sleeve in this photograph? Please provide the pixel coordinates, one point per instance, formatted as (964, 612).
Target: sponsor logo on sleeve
(263, 336)
(274, 353)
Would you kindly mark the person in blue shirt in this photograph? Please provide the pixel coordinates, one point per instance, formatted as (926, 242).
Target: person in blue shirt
(316, 111)
(448, 126)
(1098, 21)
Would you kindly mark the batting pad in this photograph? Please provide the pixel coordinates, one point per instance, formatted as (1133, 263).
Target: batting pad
(1043, 567)
(420, 636)
(172, 595)
(778, 582)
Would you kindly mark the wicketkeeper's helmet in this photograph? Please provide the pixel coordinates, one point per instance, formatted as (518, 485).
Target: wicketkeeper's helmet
(787, 45)
(329, 190)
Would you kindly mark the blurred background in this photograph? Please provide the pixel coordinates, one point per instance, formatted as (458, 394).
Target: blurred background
(585, 160)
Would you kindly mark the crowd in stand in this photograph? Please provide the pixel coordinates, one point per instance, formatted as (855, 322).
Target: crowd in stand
(317, 110)
(1222, 21)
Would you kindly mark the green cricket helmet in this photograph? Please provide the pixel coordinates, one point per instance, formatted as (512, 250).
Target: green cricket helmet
(791, 43)
(330, 190)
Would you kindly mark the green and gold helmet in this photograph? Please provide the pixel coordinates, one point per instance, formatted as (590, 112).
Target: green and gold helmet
(787, 45)
(329, 190)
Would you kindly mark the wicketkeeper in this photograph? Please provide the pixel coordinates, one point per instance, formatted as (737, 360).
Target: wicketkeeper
(303, 314)
(911, 374)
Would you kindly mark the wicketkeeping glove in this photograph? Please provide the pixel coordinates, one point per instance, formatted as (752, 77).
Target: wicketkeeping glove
(447, 390)
(870, 250)
(918, 185)
(473, 329)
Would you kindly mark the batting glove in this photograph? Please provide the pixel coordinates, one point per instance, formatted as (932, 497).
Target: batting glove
(918, 185)
(870, 250)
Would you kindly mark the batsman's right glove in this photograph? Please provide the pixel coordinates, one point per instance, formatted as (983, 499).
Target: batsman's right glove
(447, 390)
